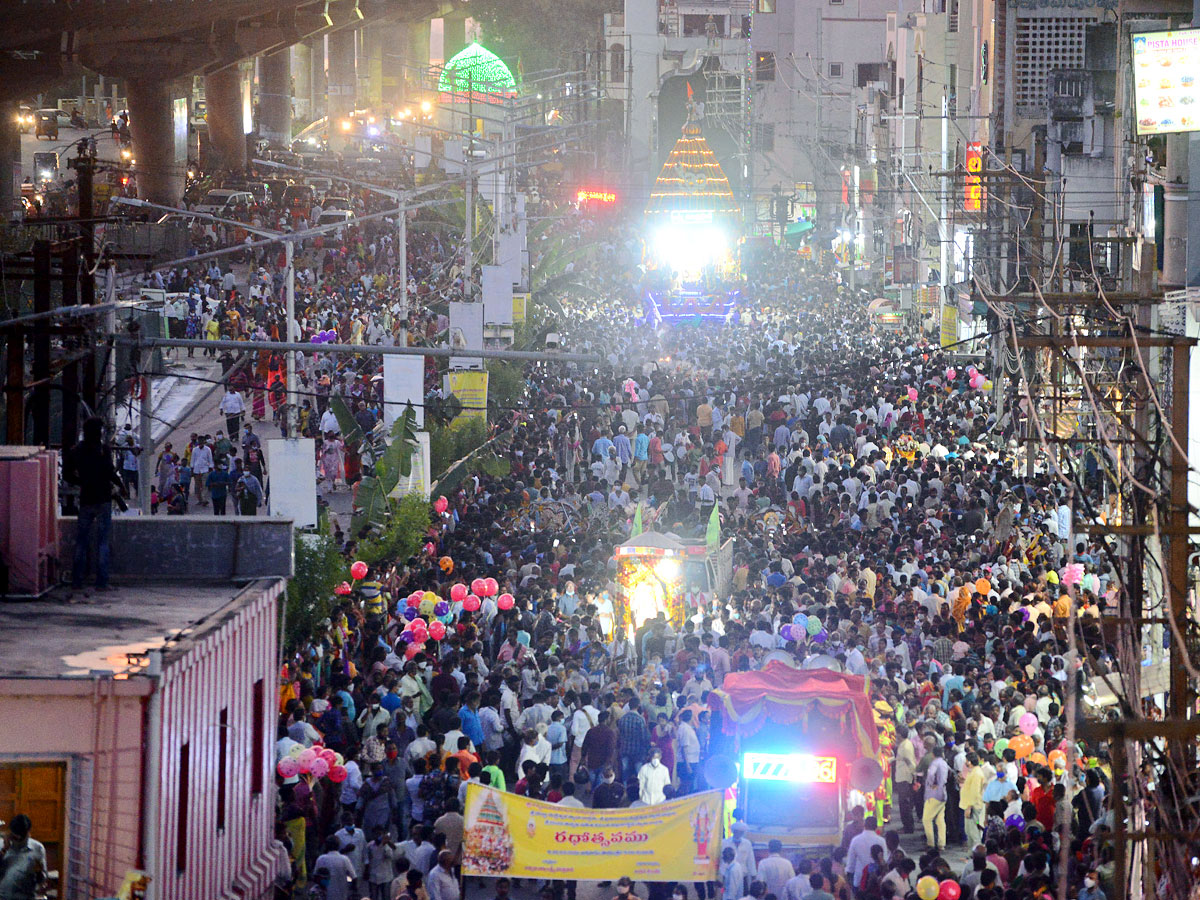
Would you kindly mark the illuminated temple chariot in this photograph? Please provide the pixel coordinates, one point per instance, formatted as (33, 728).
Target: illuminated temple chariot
(692, 224)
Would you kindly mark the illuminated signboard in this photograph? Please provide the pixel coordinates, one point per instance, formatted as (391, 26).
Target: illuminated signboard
(691, 217)
(974, 201)
(797, 767)
(1166, 81)
(598, 196)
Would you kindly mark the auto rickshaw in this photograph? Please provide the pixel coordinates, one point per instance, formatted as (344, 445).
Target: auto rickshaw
(47, 124)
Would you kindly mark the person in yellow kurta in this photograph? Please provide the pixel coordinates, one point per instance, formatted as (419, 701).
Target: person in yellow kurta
(970, 800)
(962, 602)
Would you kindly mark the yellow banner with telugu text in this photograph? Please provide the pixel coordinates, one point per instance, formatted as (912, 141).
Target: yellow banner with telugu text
(507, 834)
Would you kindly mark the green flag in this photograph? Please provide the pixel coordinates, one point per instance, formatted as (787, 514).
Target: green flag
(637, 521)
(713, 535)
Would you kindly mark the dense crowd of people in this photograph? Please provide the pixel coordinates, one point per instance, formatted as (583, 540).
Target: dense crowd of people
(864, 481)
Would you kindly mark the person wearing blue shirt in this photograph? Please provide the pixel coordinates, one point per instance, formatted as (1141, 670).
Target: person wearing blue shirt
(624, 448)
(468, 717)
(347, 703)
(556, 734)
(601, 446)
(641, 452)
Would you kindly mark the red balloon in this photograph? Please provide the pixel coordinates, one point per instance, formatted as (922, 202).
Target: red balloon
(441, 504)
(471, 603)
(343, 589)
(505, 601)
(358, 571)
(479, 586)
(437, 630)
(458, 592)
(337, 774)
(412, 650)
(414, 599)
(491, 586)
(949, 890)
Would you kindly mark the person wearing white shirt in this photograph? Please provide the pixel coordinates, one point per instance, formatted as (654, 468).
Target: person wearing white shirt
(535, 747)
(653, 778)
(858, 855)
(338, 868)
(329, 422)
(202, 464)
(441, 883)
(775, 871)
(232, 406)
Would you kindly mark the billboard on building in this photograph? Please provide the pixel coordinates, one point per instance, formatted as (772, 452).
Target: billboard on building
(1166, 81)
(974, 196)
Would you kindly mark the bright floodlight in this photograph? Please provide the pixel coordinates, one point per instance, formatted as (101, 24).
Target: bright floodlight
(687, 250)
(667, 569)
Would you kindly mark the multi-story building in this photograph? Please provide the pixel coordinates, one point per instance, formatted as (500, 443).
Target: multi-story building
(783, 86)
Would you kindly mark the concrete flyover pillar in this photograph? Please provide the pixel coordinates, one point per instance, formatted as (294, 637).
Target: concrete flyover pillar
(341, 85)
(151, 124)
(302, 84)
(226, 134)
(275, 97)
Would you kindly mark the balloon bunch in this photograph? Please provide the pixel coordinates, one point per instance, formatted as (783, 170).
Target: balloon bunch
(324, 337)
(928, 888)
(440, 505)
(317, 761)
(977, 380)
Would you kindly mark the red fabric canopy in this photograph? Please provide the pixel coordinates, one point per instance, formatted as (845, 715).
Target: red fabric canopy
(781, 693)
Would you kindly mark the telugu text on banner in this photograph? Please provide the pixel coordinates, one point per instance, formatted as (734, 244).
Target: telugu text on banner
(507, 834)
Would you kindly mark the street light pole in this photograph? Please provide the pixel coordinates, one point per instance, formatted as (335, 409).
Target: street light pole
(290, 411)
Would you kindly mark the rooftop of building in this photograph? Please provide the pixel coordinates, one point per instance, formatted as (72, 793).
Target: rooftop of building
(80, 635)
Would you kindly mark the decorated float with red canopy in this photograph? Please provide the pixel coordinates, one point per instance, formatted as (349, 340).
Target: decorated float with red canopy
(801, 741)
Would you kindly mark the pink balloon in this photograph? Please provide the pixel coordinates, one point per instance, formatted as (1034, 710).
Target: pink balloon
(950, 373)
(306, 756)
(1071, 575)
(912, 394)
(458, 592)
(437, 630)
(328, 755)
(441, 504)
(429, 548)
(505, 601)
(412, 650)
(1028, 723)
(358, 571)
(492, 586)
(337, 774)
(319, 768)
(414, 599)
(288, 768)
(471, 603)
(479, 586)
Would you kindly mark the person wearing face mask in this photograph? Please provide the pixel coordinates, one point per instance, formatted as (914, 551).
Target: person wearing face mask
(1091, 887)
(608, 793)
(625, 889)
(653, 778)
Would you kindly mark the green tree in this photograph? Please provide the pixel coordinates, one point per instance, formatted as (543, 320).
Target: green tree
(319, 569)
(518, 30)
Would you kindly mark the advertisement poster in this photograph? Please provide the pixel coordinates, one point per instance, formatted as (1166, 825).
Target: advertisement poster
(1166, 69)
(471, 389)
(949, 324)
(510, 835)
(974, 195)
(466, 331)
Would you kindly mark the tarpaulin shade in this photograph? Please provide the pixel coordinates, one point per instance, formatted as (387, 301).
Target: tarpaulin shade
(780, 693)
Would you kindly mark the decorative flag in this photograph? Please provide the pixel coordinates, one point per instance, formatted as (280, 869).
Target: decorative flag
(713, 536)
(637, 521)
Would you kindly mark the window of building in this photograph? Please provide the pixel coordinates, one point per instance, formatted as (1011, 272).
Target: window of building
(952, 17)
(837, 2)
(766, 6)
(616, 64)
(1043, 44)
(258, 736)
(764, 135)
(835, 70)
(184, 802)
(222, 765)
(764, 66)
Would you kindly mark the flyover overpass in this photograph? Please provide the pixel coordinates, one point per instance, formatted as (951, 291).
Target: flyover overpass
(150, 44)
